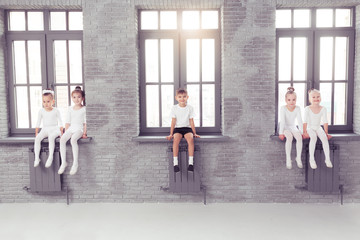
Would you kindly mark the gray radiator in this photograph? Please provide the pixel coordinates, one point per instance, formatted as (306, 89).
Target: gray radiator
(324, 179)
(184, 181)
(44, 179)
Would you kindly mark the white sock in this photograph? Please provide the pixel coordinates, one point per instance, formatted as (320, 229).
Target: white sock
(191, 160)
(176, 162)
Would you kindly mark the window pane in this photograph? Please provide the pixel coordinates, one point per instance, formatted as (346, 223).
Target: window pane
(284, 72)
(208, 60)
(17, 21)
(57, 20)
(340, 104)
(192, 60)
(168, 20)
(324, 18)
(22, 108)
(75, 60)
(208, 105)
(152, 106)
(20, 62)
(60, 61)
(62, 100)
(34, 58)
(300, 89)
(167, 101)
(152, 60)
(149, 20)
(300, 50)
(209, 20)
(325, 89)
(343, 18)
(194, 101)
(341, 58)
(281, 96)
(190, 20)
(35, 103)
(301, 18)
(326, 58)
(167, 60)
(35, 21)
(75, 21)
(283, 18)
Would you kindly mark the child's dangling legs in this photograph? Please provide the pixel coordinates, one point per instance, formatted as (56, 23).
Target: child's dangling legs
(312, 145)
(190, 140)
(53, 134)
(37, 145)
(288, 146)
(299, 146)
(176, 142)
(325, 144)
(63, 140)
(75, 149)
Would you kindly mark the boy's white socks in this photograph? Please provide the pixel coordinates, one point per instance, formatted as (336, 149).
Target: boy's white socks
(176, 161)
(191, 160)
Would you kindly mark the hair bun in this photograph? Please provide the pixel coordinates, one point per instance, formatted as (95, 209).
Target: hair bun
(77, 88)
(291, 89)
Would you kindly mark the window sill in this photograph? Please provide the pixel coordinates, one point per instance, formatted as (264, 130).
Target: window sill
(21, 140)
(203, 138)
(335, 137)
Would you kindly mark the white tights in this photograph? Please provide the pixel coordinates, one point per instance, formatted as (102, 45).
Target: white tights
(290, 134)
(51, 133)
(75, 136)
(325, 143)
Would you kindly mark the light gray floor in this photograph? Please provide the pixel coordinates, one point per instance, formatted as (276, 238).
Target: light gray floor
(179, 221)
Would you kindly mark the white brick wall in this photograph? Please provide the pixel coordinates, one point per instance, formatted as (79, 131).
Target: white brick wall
(248, 168)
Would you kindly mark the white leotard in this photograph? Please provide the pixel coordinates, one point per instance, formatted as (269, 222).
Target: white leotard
(50, 119)
(76, 118)
(287, 119)
(314, 121)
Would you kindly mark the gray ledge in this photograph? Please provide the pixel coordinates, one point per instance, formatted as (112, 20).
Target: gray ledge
(203, 138)
(336, 137)
(21, 140)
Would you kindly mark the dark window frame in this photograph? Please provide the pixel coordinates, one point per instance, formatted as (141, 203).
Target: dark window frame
(179, 35)
(46, 37)
(314, 33)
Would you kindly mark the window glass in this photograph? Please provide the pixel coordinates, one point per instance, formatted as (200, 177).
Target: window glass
(209, 19)
(17, 21)
(35, 21)
(149, 20)
(168, 20)
(191, 19)
(301, 18)
(343, 18)
(57, 20)
(324, 18)
(75, 21)
(283, 18)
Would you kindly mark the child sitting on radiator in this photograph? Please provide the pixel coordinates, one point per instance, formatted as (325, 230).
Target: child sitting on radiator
(288, 114)
(52, 126)
(314, 115)
(75, 128)
(182, 126)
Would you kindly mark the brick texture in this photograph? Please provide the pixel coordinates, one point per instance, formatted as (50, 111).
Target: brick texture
(248, 168)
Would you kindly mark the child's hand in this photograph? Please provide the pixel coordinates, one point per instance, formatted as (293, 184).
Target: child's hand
(328, 136)
(84, 135)
(169, 137)
(282, 137)
(306, 135)
(196, 136)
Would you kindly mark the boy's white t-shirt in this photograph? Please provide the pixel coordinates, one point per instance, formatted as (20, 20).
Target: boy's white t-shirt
(182, 115)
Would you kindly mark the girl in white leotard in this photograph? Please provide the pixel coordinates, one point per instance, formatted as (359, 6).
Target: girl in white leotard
(288, 114)
(75, 128)
(314, 115)
(52, 126)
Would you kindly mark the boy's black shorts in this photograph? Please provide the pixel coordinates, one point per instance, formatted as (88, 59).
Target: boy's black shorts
(183, 130)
